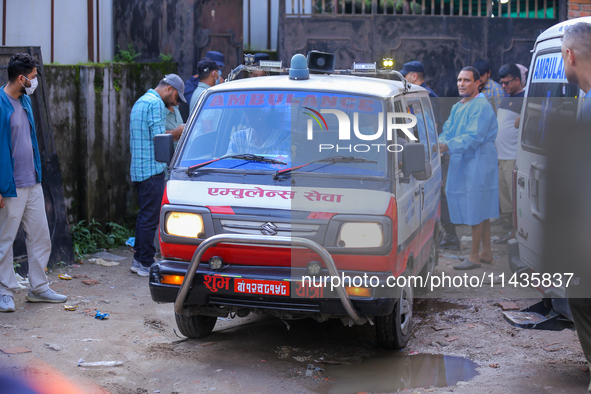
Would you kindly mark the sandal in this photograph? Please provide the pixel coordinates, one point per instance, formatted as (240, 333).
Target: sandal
(487, 261)
(466, 265)
(501, 241)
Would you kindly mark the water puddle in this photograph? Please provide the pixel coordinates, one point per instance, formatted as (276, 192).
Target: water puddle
(431, 305)
(398, 372)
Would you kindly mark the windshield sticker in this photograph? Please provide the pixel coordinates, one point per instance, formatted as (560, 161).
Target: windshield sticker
(315, 196)
(549, 68)
(259, 192)
(256, 192)
(265, 99)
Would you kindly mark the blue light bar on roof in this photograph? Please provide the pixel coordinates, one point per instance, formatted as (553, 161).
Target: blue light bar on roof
(274, 64)
(364, 66)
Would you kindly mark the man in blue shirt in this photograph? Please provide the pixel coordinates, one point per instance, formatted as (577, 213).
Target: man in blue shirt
(192, 83)
(414, 72)
(21, 194)
(209, 75)
(148, 119)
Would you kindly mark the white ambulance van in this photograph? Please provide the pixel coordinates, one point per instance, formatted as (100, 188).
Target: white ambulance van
(269, 188)
(547, 93)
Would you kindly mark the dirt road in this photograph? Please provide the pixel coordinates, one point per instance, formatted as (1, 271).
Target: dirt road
(460, 345)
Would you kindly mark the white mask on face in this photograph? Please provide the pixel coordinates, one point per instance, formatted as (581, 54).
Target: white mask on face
(33, 86)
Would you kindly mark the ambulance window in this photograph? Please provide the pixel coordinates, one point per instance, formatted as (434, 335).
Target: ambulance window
(549, 95)
(431, 127)
(398, 107)
(544, 100)
(420, 130)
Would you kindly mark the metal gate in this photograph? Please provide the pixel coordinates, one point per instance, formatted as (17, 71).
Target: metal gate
(445, 35)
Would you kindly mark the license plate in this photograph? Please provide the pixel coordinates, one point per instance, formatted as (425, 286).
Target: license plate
(263, 287)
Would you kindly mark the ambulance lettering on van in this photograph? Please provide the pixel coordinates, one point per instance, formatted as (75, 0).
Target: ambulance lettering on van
(549, 68)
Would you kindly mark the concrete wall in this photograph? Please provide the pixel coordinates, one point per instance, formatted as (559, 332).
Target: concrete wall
(185, 29)
(444, 44)
(29, 23)
(89, 111)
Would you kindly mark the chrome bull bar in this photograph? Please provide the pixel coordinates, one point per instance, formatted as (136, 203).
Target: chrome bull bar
(179, 304)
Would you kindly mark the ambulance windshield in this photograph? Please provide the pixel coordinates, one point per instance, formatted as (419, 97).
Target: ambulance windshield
(292, 127)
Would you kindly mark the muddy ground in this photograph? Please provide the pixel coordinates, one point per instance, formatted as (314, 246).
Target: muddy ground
(460, 345)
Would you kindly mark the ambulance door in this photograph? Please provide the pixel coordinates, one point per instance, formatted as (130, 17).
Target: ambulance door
(427, 182)
(432, 186)
(408, 194)
(548, 94)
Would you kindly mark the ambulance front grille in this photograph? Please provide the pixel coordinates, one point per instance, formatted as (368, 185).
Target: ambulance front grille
(286, 229)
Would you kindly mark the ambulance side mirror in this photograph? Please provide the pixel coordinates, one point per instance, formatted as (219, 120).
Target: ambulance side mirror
(163, 148)
(413, 159)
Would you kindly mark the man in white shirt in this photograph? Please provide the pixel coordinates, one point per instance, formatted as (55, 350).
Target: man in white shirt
(506, 142)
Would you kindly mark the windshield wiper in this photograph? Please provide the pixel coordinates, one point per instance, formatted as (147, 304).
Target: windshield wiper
(244, 156)
(329, 160)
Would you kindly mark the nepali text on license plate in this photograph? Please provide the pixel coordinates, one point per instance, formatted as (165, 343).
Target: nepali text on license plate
(265, 287)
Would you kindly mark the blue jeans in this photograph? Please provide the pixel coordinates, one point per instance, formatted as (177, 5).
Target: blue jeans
(149, 195)
(446, 224)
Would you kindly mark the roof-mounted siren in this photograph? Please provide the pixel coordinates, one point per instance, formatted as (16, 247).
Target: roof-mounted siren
(299, 67)
(320, 62)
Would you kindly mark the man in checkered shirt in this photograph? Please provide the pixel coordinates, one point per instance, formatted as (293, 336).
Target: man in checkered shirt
(492, 90)
(148, 119)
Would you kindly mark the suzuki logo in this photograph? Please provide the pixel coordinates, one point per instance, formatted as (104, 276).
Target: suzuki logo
(269, 229)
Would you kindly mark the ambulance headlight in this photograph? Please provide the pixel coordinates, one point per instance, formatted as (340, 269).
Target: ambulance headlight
(184, 224)
(360, 235)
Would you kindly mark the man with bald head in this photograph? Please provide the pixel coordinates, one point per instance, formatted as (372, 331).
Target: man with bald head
(576, 52)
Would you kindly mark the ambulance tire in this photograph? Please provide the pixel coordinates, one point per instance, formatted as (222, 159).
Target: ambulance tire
(393, 331)
(433, 260)
(196, 326)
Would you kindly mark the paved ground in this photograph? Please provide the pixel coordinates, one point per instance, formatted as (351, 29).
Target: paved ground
(461, 340)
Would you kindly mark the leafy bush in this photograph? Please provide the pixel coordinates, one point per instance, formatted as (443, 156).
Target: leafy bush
(126, 56)
(165, 58)
(88, 238)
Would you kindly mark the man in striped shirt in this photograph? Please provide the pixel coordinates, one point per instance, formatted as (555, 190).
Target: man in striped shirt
(148, 119)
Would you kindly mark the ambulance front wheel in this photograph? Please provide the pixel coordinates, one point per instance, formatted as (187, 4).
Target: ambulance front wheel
(196, 326)
(393, 330)
(433, 260)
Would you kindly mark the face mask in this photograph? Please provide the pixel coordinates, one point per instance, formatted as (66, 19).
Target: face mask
(219, 80)
(33, 86)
